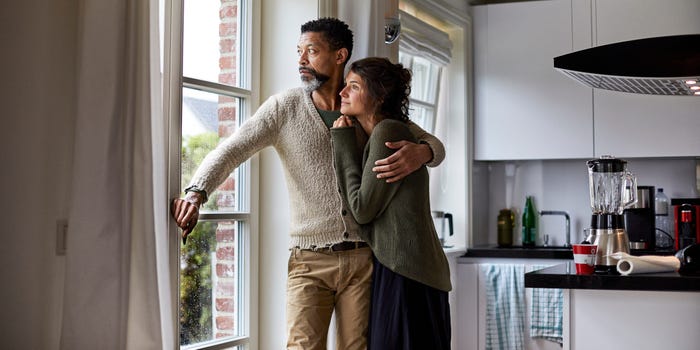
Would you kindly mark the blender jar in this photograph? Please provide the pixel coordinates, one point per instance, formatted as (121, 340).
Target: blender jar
(612, 187)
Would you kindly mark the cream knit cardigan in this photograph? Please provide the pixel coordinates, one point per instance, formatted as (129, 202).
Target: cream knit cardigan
(290, 123)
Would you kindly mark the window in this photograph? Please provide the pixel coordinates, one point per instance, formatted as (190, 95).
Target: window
(425, 50)
(215, 97)
(424, 90)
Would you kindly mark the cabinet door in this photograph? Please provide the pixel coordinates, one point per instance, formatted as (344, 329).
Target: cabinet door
(466, 336)
(475, 291)
(524, 109)
(631, 125)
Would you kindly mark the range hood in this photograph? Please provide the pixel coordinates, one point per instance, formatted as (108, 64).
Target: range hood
(668, 65)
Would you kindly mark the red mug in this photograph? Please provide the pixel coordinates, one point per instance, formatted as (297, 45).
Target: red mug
(584, 258)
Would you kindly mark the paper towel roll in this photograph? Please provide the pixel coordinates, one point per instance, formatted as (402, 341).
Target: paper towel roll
(630, 264)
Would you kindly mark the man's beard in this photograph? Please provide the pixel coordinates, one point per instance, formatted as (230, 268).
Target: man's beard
(314, 82)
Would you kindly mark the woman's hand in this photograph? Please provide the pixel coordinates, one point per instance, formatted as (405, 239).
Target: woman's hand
(185, 211)
(342, 121)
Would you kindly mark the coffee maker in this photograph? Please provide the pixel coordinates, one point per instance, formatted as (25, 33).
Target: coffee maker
(612, 189)
(640, 220)
(687, 221)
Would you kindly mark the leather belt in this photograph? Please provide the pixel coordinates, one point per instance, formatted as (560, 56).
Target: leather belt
(342, 246)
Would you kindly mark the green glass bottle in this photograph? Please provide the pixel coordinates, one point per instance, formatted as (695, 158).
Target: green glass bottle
(529, 223)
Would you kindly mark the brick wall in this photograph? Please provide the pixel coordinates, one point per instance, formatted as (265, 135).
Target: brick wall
(224, 262)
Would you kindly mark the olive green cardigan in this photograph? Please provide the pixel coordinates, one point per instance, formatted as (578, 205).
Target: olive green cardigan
(402, 235)
(290, 123)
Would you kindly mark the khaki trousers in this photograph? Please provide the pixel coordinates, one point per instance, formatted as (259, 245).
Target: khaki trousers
(319, 282)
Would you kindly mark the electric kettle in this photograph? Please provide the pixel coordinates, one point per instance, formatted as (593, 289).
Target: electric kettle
(443, 225)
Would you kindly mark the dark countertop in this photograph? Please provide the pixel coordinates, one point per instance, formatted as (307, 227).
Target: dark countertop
(519, 252)
(551, 252)
(564, 276)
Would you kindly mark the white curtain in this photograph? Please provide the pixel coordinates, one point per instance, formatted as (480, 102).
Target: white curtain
(118, 294)
(421, 39)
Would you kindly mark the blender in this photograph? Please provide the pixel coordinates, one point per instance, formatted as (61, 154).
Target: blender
(612, 189)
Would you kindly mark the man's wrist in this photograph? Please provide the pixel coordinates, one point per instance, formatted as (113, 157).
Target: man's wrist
(194, 198)
(430, 151)
(196, 193)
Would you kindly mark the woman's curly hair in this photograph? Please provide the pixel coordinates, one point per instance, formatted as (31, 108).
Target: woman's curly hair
(387, 83)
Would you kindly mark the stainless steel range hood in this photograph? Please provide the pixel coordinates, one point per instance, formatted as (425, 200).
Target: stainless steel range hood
(668, 65)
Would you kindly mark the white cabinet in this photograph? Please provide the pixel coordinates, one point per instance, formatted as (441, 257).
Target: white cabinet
(630, 125)
(524, 109)
(469, 330)
(452, 255)
(639, 320)
(466, 332)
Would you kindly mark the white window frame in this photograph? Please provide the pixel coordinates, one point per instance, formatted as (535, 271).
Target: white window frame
(424, 41)
(246, 216)
(429, 124)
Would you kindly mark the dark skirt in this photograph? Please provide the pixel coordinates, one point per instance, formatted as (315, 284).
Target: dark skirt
(406, 314)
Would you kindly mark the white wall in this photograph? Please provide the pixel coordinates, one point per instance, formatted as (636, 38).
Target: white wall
(38, 63)
(563, 185)
(38, 43)
(280, 32)
(448, 185)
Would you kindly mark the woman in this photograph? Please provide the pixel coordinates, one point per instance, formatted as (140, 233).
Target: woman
(411, 279)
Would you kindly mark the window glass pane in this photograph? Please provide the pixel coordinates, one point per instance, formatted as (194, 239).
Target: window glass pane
(213, 262)
(211, 283)
(207, 119)
(425, 79)
(423, 116)
(211, 38)
(405, 59)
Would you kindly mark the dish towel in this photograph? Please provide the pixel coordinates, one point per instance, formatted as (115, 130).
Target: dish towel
(547, 313)
(629, 264)
(505, 307)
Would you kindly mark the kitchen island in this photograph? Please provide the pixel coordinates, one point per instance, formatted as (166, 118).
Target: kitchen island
(644, 311)
(519, 252)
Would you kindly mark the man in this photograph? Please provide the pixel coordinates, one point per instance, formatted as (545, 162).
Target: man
(330, 268)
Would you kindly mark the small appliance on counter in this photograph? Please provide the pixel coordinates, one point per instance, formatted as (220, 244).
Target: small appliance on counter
(686, 227)
(612, 189)
(443, 226)
(640, 220)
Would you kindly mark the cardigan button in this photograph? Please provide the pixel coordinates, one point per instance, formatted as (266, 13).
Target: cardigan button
(346, 235)
(344, 212)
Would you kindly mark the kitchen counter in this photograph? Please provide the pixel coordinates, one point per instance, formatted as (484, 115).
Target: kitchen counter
(551, 252)
(625, 312)
(519, 252)
(564, 276)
